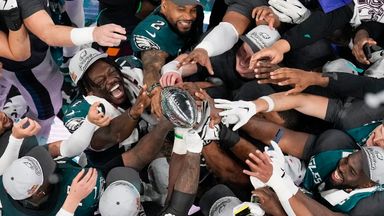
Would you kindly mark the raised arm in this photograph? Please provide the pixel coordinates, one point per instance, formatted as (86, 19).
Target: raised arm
(239, 112)
(42, 25)
(24, 128)
(121, 127)
(153, 60)
(294, 202)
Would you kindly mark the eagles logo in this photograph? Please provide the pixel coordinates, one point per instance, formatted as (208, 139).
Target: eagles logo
(74, 123)
(145, 43)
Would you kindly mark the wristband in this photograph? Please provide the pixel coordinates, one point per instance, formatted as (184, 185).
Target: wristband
(81, 36)
(270, 102)
(179, 146)
(171, 67)
(194, 142)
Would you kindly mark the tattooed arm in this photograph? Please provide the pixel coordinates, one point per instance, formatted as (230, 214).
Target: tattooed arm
(153, 60)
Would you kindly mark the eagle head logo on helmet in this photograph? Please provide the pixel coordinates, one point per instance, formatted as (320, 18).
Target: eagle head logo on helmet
(179, 107)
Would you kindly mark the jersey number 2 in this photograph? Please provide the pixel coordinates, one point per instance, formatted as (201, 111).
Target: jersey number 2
(157, 25)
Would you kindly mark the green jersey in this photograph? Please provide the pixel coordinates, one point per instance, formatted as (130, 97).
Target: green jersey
(155, 33)
(316, 178)
(66, 171)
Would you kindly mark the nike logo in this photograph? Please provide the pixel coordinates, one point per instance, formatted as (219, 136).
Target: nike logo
(151, 34)
(71, 113)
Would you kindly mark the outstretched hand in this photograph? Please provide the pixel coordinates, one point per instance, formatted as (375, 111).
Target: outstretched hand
(109, 35)
(199, 56)
(142, 102)
(236, 112)
(260, 166)
(298, 79)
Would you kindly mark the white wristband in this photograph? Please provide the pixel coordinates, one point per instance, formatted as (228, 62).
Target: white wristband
(171, 67)
(81, 36)
(270, 102)
(179, 146)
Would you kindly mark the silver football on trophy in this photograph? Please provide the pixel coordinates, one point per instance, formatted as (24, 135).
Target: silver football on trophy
(179, 107)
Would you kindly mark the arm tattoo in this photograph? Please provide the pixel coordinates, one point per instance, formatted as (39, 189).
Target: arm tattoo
(152, 60)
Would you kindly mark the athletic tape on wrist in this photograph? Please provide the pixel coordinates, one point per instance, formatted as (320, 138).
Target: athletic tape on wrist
(171, 67)
(81, 36)
(270, 102)
(194, 142)
(179, 146)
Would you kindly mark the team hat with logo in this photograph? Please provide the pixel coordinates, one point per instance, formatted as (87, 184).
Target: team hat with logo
(373, 163)
(80, 63)
(25, 175)
(218, 201)
(260, 37)
(122, 196)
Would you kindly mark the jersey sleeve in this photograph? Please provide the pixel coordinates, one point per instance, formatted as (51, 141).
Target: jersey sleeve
(29, 7)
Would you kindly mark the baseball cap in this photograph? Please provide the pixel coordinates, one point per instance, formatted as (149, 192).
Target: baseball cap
(260, 37)
(122, 197)
(187, 2)
(218, 201)
(80, 63)
(26, 174)
(373, 163)
(376, 69)
(341, 65)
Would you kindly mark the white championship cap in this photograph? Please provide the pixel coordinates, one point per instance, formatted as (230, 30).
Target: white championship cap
(82, 61)
(122, 197)
(23, 178)
(260, 37)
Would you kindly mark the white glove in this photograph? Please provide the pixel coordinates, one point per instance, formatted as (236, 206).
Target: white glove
(275, 153)
(206, 133)
(243, 110)
(289, 11)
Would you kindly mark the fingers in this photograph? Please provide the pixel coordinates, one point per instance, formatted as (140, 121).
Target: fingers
(239, 125)
(222, 101)
(226, 107)
(88, 175)
(78, 176)
(208, 65)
